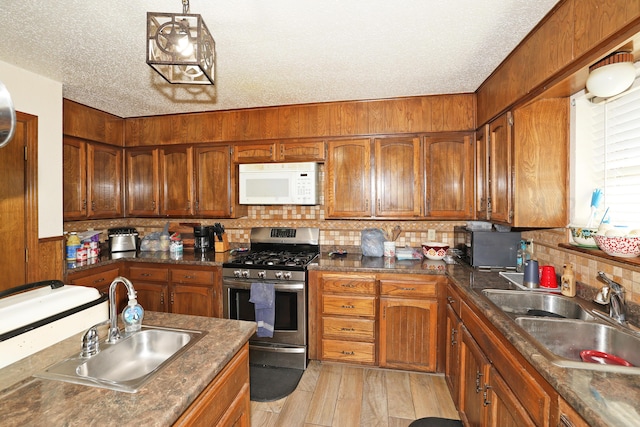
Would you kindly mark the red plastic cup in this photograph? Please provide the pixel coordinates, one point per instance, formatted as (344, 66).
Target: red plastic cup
(548, 277)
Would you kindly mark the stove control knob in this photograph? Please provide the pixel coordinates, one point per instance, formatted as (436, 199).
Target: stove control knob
(279, 275)
(287, 275)
(262, 274)
(245, 274)
(236, 273)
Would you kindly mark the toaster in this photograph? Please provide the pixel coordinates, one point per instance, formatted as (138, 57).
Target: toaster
(123, 239)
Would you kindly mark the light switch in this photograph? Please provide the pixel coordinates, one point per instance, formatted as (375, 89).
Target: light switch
(431, 235)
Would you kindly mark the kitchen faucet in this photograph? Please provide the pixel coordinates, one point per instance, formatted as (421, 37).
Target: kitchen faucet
(612, 293)
(114, 332)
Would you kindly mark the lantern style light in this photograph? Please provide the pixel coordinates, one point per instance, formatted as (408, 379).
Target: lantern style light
(180, 47)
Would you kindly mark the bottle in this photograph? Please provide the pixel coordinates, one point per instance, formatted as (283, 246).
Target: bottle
(132, 316)
(568, 281)
(520, 257)
(73, 243)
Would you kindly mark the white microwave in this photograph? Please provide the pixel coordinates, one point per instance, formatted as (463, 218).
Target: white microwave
(279, 184)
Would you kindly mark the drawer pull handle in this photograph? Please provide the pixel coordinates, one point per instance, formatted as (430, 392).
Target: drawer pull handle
(146, 274)
(188, 277)
(478, 385)
(408, 289)
(450, 300)
(453, 337)
(565, 421)
(348, 285)
(348, 353)
(348, 306)
(347, 329)
(485, 396)
(99, 280)
(161, 298)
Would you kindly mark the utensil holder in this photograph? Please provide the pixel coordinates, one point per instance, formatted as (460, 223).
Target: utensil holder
(222, 246)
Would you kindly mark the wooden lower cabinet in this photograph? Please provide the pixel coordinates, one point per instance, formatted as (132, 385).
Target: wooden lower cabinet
(568, 417)
(409, 313)
(474, 370)
(175, 290)
(503, 407)
(452, 352)
(100, 278)
(225, 402)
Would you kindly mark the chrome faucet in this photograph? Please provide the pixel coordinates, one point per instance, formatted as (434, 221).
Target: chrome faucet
(114, 332)
(612, 293)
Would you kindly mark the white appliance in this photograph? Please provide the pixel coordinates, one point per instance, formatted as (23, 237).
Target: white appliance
(279, 184)
(36, 316)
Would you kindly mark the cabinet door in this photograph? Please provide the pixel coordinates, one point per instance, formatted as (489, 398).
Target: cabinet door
(348, 178)
(500, 168)
(482, 173)
(398, 177)
(255, 153)
(176, 169)
(449, 166)
(452, 354)
(152, 296)
(74, 157)
(504, 409)
(104, 181)
(214, 185)
(190, 299)
(302, 151)
(142, 182)
(474, 370)
(408, 333)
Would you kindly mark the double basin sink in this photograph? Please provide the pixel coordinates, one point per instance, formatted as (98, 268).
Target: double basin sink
(127, 364)
(561, 328)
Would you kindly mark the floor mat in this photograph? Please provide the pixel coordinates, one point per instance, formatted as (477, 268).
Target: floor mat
(270, 383)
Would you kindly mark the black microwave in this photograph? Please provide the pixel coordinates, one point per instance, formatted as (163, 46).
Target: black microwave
(487, 248)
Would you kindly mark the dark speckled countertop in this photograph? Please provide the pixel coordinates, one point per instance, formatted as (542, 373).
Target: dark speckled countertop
(29, 401)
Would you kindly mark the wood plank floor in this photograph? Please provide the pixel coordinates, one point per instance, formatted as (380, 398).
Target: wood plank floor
(337, 395)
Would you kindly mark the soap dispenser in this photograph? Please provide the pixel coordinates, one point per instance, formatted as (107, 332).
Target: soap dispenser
(132, 316)
(568, 281)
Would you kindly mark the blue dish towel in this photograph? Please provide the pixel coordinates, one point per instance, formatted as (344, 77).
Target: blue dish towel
(263, 296)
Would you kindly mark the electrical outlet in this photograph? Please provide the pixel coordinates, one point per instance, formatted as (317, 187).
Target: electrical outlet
(431, 235)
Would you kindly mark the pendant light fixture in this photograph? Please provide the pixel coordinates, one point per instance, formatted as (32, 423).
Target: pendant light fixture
(180, 47)
(611, 75)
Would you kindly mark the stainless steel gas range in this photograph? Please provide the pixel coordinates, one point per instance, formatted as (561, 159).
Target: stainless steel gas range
(279, 256)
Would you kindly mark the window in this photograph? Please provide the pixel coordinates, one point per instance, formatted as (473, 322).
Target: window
(606, 155)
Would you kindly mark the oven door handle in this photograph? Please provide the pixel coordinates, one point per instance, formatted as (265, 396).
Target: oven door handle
(246, 284)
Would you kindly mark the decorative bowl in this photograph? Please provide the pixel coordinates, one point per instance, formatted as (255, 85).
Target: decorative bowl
(623, 247)
(583, 236)
(434, 250)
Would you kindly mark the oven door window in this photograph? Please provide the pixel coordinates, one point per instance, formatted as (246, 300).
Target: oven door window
(286, 308)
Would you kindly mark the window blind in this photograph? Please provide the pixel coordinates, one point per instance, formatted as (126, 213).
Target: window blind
(615, 129)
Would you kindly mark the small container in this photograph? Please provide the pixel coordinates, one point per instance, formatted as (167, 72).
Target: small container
(73, 243)
(389, 249)
(548, 277)
(531, 274)
(81, 254)
(568, 281)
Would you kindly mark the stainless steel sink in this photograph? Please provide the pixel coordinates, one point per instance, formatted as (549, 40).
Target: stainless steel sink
(532, 303)
(127, 364)
(563, 340)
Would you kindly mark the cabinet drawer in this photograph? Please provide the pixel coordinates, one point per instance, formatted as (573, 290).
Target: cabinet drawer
(103, 278)
(353, 284)
(408, 289)
(348, 351)
(349, 329)
(453, 299)
(202, 277)
(349, 305)
(145, 273)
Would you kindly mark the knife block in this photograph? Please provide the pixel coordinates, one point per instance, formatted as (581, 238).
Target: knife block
(222, 246)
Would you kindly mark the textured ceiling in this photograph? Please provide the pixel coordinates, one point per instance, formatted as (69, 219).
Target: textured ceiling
(268, 52)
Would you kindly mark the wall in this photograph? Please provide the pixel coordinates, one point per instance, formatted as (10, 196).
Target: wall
(42, 97)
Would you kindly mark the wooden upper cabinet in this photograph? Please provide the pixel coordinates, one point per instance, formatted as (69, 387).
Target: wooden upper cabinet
(449, 171)
(91, 124)
(482, 173)
(214, 181)
(176, 180)
(104, 175)
(255, 153)
(74, 157)
(282, 151)
(348, 178)
(500, 168)
(92, 180)
(143, 190)
(398, 177)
